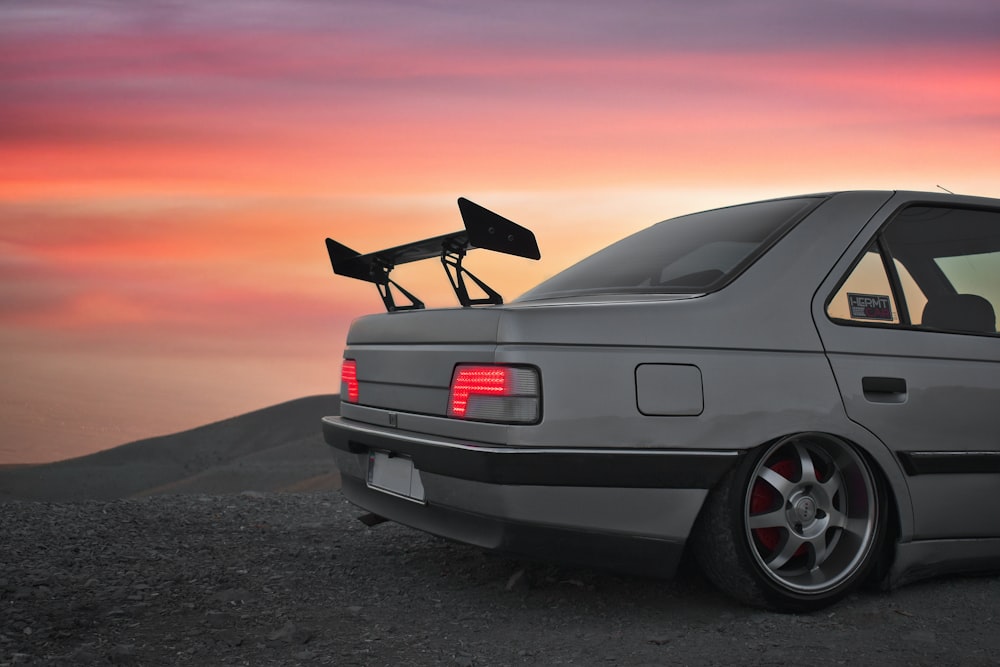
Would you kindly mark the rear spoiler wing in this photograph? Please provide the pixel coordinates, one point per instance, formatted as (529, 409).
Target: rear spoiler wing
(483, 229)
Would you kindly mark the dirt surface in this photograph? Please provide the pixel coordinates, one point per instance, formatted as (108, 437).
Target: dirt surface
(294, 578)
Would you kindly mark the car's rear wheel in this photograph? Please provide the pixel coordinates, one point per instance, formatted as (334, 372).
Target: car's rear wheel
(795, 527)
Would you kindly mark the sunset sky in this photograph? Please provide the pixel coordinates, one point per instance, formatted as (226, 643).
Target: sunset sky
(169, 170)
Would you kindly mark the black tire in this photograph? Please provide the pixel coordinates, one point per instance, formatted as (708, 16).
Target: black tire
(795, 527)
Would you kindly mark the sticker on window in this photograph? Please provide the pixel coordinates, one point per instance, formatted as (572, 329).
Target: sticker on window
(869, 307)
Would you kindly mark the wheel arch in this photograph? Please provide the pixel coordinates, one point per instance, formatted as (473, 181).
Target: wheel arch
(887, 472)
(887, 467)
(878, 457)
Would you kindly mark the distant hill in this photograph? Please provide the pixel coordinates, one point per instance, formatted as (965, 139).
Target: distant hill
(280, 448)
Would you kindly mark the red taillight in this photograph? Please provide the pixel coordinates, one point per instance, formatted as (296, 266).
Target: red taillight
(506, 394)
(477, 380)
(349, 381)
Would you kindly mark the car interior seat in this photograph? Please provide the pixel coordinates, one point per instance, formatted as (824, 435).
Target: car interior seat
(960, 312)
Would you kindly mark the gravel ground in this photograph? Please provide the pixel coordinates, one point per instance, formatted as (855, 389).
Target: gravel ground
(290, 579)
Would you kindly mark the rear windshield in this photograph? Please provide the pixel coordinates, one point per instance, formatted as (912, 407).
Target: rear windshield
(692, 254)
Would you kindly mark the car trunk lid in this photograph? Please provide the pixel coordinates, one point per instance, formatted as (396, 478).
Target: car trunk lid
(405, 360)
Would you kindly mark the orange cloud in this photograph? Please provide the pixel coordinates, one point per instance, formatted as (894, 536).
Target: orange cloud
(168, 171)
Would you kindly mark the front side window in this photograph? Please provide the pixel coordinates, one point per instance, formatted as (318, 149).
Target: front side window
(931, 267)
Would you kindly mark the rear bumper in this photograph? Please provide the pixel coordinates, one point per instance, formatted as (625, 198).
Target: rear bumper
(620, 508)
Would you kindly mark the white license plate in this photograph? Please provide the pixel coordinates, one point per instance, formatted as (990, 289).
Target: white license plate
(396, 475)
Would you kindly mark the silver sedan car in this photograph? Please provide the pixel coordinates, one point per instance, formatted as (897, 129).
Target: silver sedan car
(802, 394)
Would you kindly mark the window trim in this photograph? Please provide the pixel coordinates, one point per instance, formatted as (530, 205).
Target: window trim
(895, 284)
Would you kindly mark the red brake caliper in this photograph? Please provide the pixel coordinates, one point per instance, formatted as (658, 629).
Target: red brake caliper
(764, 498)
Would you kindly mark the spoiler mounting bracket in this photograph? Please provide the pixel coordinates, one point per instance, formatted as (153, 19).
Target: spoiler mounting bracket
(483, 229)
(385, 285)
(451, 259)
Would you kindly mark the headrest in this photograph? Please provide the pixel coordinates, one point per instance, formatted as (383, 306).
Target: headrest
(960, 312)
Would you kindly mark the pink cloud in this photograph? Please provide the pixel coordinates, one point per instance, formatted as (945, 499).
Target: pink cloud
(168, 170)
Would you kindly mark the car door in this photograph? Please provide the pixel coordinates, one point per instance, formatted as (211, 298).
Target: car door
(908, 320)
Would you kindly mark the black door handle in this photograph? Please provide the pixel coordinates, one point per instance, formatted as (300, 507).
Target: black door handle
(875, 385)
(884, 390)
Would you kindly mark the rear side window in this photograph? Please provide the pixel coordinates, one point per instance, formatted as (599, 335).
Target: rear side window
(931, 267)
(866, 295)
(692, 254)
